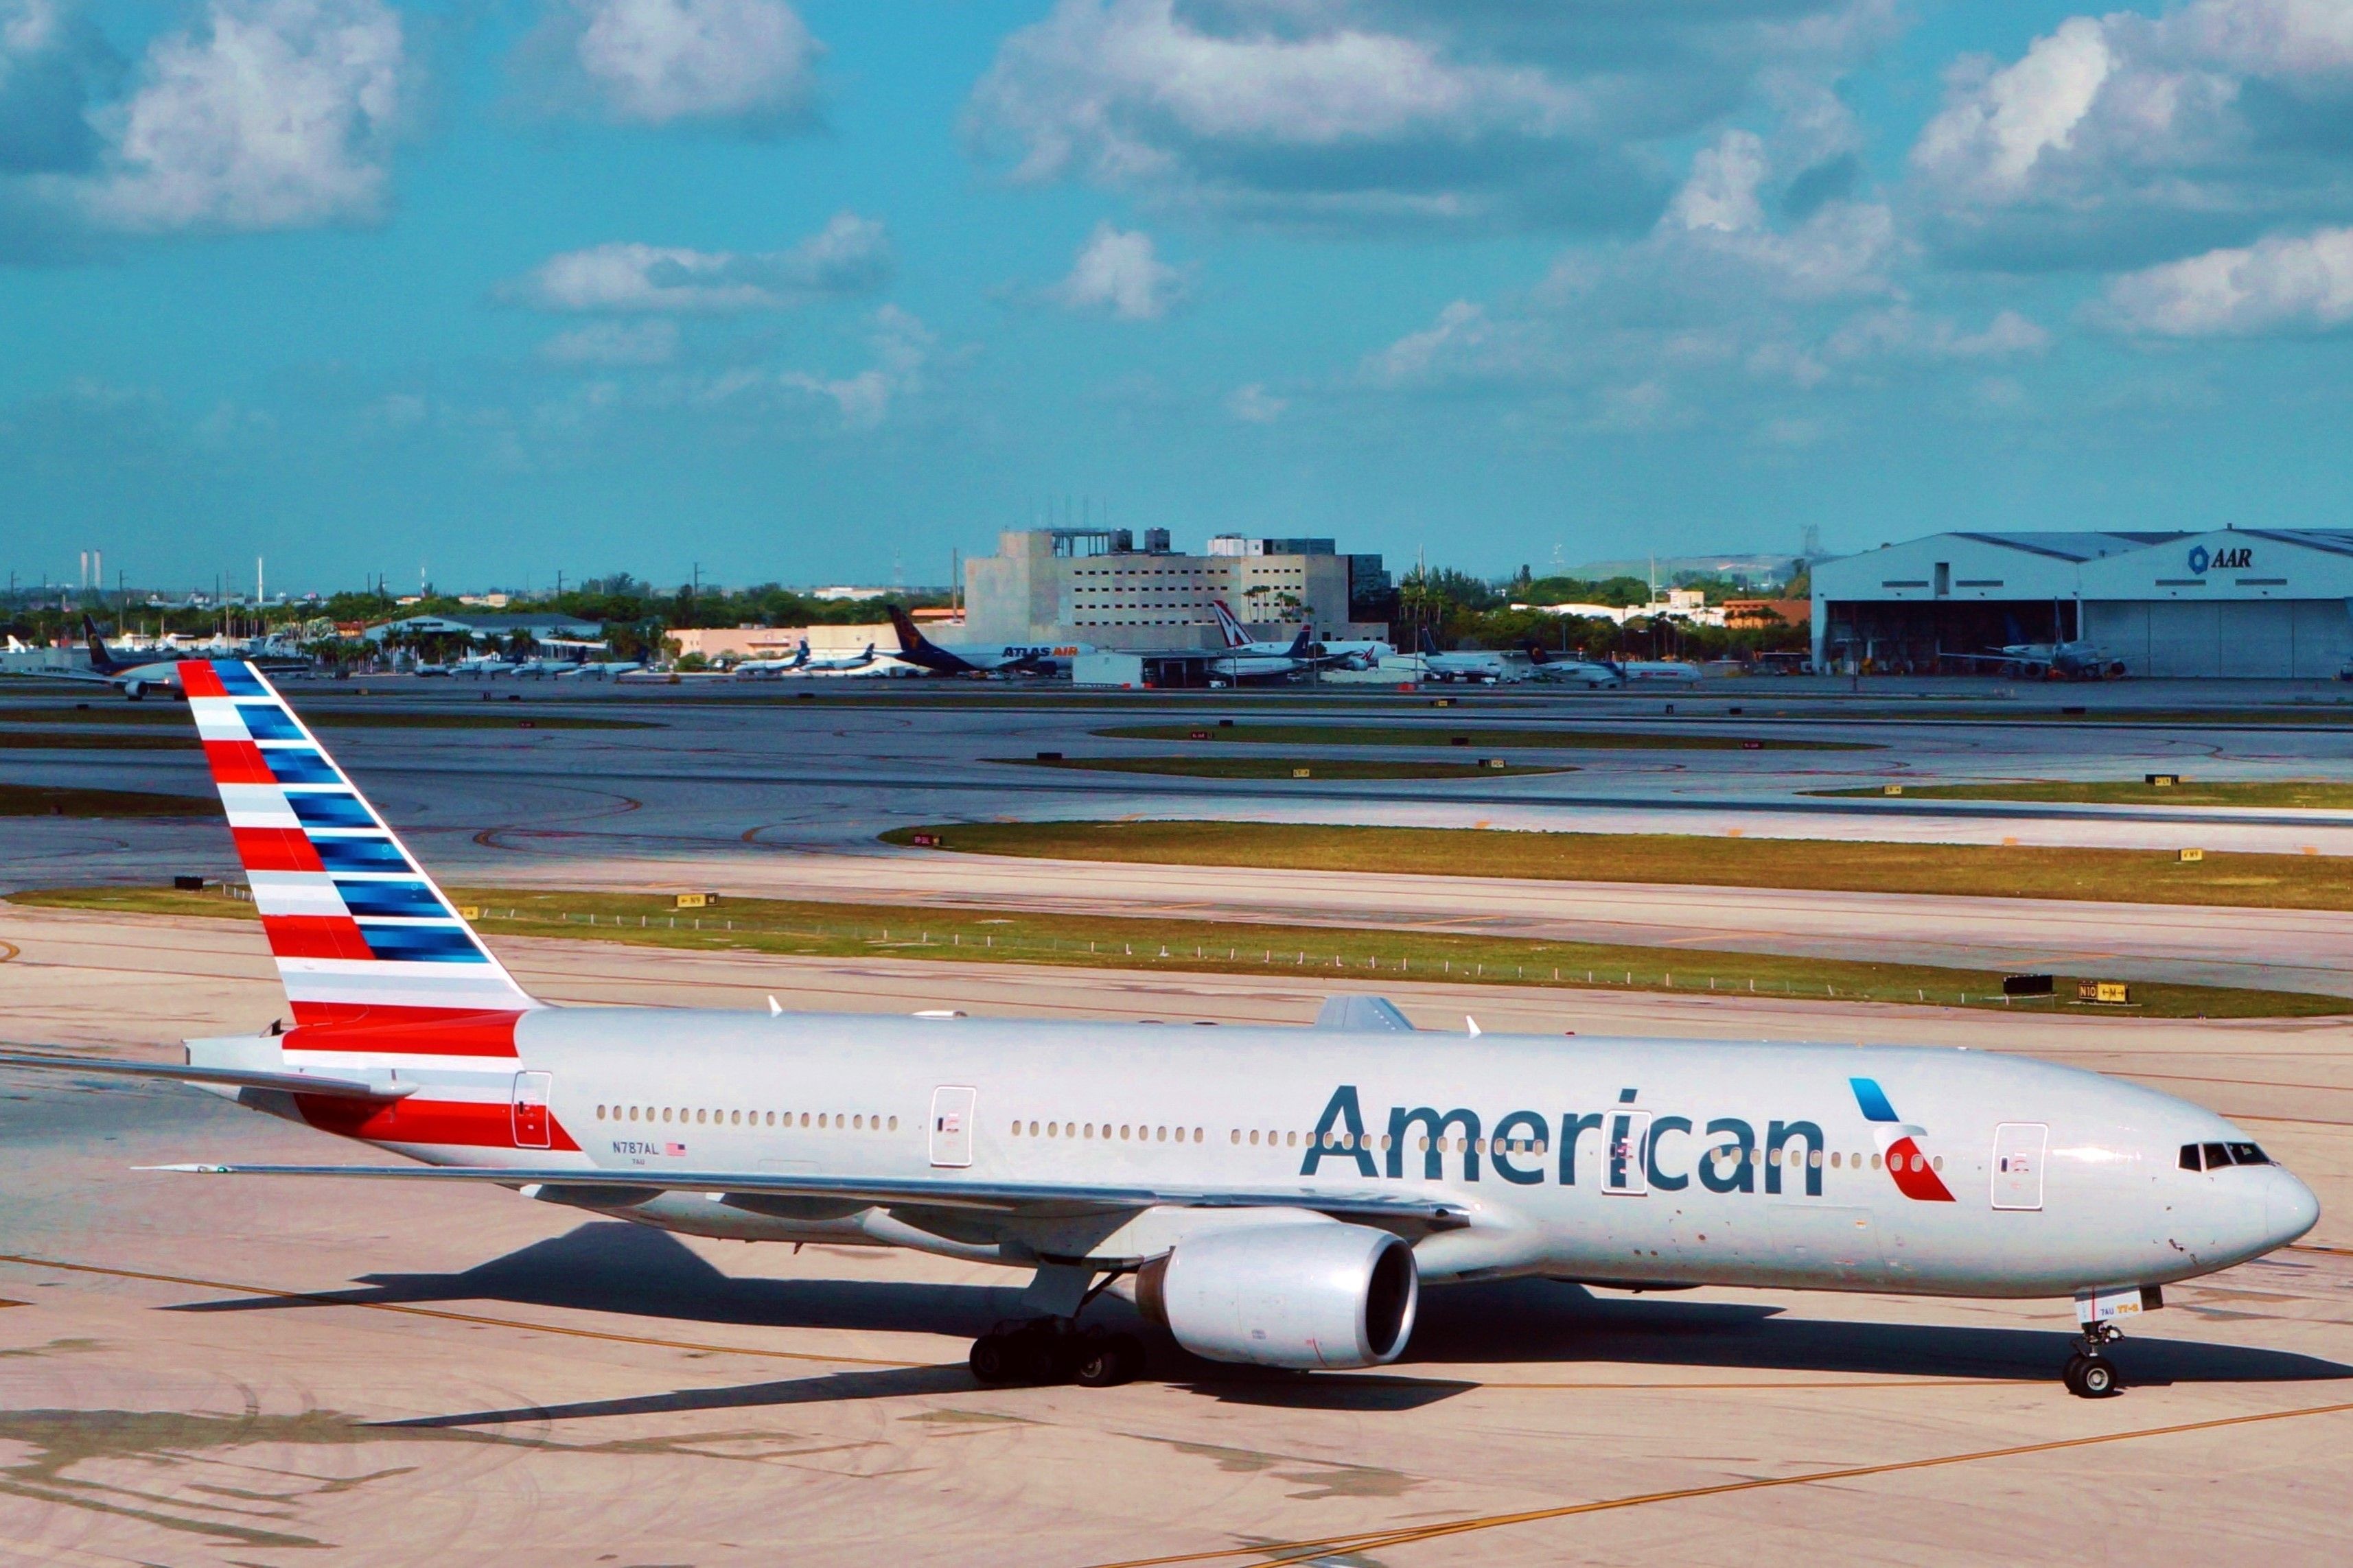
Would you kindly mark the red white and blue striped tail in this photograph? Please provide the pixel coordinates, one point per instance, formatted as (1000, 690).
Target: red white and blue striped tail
(373, 955)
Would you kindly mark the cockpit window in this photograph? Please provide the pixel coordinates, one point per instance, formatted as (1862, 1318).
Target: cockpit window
(2217, 1156)
(2189, 1160)
(2214, 1156)
(2249, 1154)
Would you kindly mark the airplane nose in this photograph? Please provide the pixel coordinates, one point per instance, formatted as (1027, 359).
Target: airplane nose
(2290, 1210)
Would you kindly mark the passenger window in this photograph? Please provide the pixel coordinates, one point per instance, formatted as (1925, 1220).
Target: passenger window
(805, 1119)
(1017, 1129)
(1874, 1162)
(894, 1124)
(1291, 1140)
(2217, 1156)
(1033, 1130)
(1814, 1159)
(1835, 1161)
(1164, 1134)
(1123, 1129)
(1937, 1163)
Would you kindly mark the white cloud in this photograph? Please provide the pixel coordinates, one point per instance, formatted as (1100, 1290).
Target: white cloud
(1118, 273)
(273, 114)
(851, 255)
(613, 343)
(1899, 332)
(1253, 405)
(2120, 137)
(1355, 112)
(659, 62)
(902, 346)
(2280, 284)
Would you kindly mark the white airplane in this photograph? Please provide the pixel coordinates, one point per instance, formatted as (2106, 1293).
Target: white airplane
(1357, 655)
(977, 658)
(1660, 669)
(1480, 668)
(134, 677)
(797, 661)
(1562, 668)
(1273, 1196)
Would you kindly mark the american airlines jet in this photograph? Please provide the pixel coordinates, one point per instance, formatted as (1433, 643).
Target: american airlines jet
(1276, 1196)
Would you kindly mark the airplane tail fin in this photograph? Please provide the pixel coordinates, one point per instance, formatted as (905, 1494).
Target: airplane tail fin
(367, 945)
(1536, 652)
(1429, 643)
(910, 639)
(1298, 648)
(1228, 627)
(101, 660)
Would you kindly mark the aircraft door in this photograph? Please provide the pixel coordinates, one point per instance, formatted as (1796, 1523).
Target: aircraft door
(1626, 1154)
(952, 1113)
(2018, 1148)
(530, 1108)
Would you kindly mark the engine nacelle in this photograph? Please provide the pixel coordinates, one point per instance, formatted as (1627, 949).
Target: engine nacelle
(1292, 1295)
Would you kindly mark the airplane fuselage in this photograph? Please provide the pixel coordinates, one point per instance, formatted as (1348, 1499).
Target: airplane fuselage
(1600, 1159)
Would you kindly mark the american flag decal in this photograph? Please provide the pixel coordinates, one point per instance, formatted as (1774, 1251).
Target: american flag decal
(674, 1148)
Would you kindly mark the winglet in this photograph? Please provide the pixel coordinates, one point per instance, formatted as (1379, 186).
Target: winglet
(1473, 1025)
(774, 1010)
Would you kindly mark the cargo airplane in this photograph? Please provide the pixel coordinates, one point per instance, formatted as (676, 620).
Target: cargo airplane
(1275, 1196)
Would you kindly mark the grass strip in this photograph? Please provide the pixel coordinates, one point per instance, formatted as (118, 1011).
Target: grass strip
(1829, 865)
(2316, 795)
(1557, 738)
(1347, 955)
(183, 739)
(1285, 767)
(44, 800)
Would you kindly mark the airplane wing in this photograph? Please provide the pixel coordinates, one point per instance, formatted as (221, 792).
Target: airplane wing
(1004, 1197)
(236, 1077)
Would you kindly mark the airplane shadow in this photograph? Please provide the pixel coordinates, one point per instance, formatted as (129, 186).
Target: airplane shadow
(607, 1266)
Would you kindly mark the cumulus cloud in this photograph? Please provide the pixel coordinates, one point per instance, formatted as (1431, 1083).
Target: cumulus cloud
(1356, 112)
(2281, 284)
(1118, 273)
(660, 62)
(902, 346)
(273, 114)
(851, 255)
(1899, 331)
(613, 343)
(2118, 138)
(1253, 405)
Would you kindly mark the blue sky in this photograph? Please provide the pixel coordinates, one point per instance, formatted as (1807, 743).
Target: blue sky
(811, 291)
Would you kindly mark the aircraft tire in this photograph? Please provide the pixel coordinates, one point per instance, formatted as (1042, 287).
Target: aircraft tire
(989, 1362)
(1100, 1361)
(2091, 1377)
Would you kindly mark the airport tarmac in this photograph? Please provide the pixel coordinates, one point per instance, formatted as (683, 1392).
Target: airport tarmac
(198, 1370)
(773, 795)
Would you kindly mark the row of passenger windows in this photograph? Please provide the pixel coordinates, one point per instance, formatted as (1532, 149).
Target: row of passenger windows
(2217, 1156)
(707, 1117)
(1796, 1154)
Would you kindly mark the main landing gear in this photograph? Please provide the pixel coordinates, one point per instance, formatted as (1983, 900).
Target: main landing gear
(2090, 1375)
(1055, 1350)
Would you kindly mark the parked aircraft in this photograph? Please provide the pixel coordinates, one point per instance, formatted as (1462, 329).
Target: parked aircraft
(1478, 668)
(1594, 673)
(1276, 1196)
(2078, 660)
(1353, 654)
(797, 661)
(977, 658)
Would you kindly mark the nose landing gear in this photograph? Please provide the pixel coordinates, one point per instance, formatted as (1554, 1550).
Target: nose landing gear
(2090, 1375)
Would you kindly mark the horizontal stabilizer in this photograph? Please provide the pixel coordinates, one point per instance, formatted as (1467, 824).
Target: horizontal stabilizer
(341, 1087)
(1007, 1197)
(1362, 1013)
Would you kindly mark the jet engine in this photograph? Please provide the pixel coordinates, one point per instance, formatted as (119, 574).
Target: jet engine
(1303, 1295)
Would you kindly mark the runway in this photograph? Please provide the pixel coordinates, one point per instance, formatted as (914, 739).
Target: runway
(281, 1374)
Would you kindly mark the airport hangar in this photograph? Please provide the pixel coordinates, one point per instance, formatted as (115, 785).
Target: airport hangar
(2238, 601)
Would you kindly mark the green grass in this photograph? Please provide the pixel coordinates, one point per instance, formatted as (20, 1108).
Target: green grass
(1284, 767)
(1347, 956)
(1555, 738)
(2309, 793)
(42, 800)
(2122, 876)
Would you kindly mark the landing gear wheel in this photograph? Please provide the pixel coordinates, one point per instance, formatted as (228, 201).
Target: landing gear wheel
(989, 1363)
(1097, 1363)
(2091, 1377)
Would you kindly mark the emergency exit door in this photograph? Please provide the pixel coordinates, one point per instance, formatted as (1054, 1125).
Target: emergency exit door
(2018, 1148)
(1625, 1154)
(952, 1112)
(531, 1092)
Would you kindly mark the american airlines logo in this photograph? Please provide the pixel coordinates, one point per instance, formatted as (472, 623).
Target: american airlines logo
(1638, 1149)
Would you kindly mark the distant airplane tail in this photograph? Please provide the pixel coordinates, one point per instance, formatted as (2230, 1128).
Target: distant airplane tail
(1228, 627)
(101, 660)
(1536, 652)
(1300, 644)
(1429, 643)
(375, 957)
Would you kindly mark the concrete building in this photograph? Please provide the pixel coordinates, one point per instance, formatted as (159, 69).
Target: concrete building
(2237, 602)
(1093, 586)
